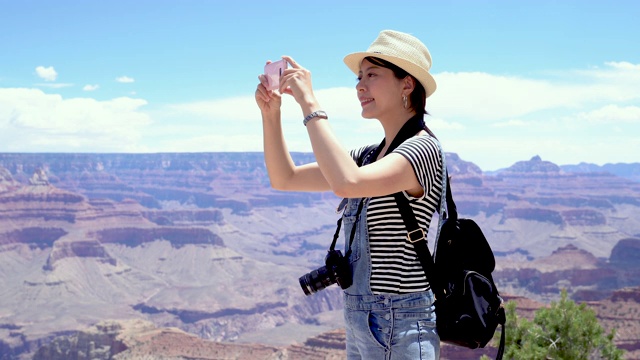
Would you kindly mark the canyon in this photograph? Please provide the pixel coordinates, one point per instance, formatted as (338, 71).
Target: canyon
(193, 255)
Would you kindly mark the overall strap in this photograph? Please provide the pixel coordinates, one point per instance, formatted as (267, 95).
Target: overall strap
(363, 159)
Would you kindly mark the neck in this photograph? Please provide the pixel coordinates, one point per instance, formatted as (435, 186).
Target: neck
(393, 125)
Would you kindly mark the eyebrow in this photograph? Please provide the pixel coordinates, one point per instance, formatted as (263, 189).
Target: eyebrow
(369, 68)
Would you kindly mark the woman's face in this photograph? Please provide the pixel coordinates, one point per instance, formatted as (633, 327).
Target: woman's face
(379, 91)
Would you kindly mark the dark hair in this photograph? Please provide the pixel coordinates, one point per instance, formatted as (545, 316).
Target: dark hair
(418, 96)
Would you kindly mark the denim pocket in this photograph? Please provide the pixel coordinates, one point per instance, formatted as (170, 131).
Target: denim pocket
(415, 334)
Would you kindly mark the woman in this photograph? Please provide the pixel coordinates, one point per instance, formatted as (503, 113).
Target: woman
(389, 310)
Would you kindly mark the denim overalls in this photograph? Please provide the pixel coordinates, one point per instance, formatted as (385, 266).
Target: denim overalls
(385, 326)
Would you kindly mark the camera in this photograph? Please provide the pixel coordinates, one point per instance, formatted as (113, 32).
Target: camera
(336, 270)
(273, 71)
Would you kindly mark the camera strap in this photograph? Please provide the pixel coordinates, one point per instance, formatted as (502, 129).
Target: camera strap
(369, 155)
(353, 230)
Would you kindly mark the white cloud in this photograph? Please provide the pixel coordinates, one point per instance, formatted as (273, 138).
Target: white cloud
(124, 79)
(619, 78)
(481, 97)
(440, 124)
(623, 65)
(611, 114)
(240, 117)
(221, 142)
(485, 97)
(47, 73)
(54, 85)
(510, 123)
(90, 87)
(31, 120)
(493, 120)
(232, 110)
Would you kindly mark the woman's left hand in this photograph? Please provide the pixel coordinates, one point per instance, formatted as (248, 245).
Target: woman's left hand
(296, 81)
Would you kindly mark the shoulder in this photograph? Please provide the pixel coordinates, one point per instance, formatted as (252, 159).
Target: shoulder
(423, 146)
(425, 156)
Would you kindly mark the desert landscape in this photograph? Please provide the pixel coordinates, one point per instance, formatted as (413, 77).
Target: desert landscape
(193, 256)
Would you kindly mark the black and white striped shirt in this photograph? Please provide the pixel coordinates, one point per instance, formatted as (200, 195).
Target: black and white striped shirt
(395, 267)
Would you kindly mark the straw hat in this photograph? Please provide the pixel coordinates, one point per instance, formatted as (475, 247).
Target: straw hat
(402, 50)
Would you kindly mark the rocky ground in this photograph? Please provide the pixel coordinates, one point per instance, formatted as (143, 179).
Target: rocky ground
(138, 339)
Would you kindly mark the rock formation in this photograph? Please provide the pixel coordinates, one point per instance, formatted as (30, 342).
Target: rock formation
(137, 339)
(200, 243)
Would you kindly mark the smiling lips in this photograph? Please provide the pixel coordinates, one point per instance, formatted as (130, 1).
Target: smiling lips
(365, 101)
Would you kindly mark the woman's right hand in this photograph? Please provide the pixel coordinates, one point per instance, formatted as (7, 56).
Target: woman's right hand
(269, 101)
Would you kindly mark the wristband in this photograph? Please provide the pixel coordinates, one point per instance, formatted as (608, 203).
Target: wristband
(316, 114)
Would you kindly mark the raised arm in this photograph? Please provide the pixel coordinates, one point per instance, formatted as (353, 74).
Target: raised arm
(283, 173)
(389, 175)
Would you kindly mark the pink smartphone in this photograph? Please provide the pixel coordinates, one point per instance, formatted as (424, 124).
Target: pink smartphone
(273, 71)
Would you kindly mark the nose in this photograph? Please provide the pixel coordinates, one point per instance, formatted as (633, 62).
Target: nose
(359, 85)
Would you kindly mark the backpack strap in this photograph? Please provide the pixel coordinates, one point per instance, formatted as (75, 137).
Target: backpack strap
(502, 322)
(417, 236)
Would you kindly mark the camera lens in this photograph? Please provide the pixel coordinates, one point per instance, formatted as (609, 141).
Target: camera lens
(316, 280)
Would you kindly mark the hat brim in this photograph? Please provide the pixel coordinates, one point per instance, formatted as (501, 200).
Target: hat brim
(354, 60)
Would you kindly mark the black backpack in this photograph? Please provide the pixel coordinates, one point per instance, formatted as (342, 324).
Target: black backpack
(468, 305)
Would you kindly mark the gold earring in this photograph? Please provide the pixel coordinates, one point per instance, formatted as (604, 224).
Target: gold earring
(405, 102)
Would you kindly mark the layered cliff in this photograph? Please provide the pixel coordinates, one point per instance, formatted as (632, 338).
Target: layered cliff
(585, 277)
(136, 339)
(201, 243)
(129, 340)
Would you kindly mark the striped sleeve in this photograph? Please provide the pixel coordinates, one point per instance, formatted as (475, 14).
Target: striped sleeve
(424, 155)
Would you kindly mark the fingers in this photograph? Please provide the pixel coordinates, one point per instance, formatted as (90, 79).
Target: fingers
(291, 62)
(299, 78)
(261, 91)
(263, 80)
(266, 95)
(287, 91)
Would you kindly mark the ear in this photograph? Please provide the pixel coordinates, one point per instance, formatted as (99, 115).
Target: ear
(409, 83)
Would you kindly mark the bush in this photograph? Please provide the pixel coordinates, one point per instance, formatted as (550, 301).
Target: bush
(564, 330)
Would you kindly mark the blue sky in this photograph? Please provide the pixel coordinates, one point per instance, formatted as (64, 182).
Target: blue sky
(559, 79)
